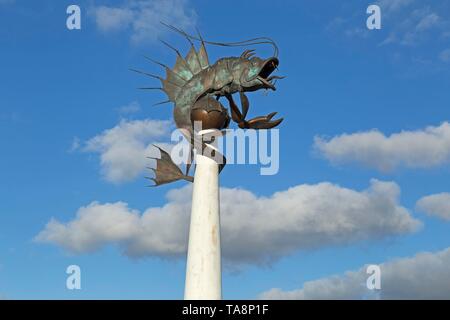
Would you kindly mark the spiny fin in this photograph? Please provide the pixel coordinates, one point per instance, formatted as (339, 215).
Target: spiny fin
(182, 69)
(171, 85)
(202, 54)
(193, 60)
(166, 170)
(203, 57)
(162, 102)
(174, 78)
(170, 75)
(170, 89)
(181, 66)
(146, 73)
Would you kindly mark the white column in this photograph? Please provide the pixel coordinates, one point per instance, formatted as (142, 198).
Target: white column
(203, 270)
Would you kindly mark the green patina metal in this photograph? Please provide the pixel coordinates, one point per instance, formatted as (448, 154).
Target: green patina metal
(192, 84)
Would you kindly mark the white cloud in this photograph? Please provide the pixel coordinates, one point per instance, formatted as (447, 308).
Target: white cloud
(437, 205)
(428, 21)
(76, 143)
(424, 276)
(414, 27)
(403, 22)
(357, 32)
(143, 17)
(254, 229)
(132, 107)
(124, 149)
(94, 226)
(113, 19)
(409, 24)
(425, 148)
(390, 6)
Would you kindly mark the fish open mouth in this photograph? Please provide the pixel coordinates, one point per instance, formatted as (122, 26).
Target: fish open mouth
(264, 75)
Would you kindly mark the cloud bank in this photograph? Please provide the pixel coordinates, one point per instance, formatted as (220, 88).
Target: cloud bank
(424, 276)
(410, 23)
(425, 148)
(437, 205)
(142, 18)
(255, 229)
(124, 148)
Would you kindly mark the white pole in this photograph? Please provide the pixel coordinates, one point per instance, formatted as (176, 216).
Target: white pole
(203, 270)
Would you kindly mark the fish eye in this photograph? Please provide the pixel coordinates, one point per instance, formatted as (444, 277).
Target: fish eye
(255, 61)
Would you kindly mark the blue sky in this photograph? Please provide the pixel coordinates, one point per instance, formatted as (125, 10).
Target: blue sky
(358, 105)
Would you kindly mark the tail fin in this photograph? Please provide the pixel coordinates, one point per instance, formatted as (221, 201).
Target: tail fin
(166, 170)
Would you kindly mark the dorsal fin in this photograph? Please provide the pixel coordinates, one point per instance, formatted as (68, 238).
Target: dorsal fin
(170, 89)
(182, 69)
(181, 66)
(193, 60)
(170, 75)
(174, 78)
(203, 57)
(202, 54)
